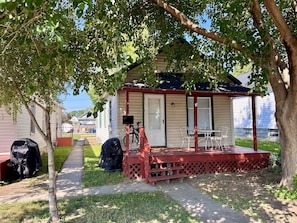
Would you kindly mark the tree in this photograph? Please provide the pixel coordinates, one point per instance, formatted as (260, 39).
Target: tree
(222, 34)
(35, 65)
(44, 46)
(92, 36)
(260, 32)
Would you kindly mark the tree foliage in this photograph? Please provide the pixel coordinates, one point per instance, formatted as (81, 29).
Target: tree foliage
(260, 32)
(46, 44)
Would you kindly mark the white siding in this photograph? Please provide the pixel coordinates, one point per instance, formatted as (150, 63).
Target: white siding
(7, 131)
(106, 122)
(242, 112)
(121, 110)
(135, 107)
(222, 115)
(159, 65)
(24, 124)
(11, 131)
(265, 119)
(265, 109)
(114, 116)
(176, 117)
(103, 124)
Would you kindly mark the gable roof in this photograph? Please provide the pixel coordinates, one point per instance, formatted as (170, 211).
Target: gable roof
(174, 82)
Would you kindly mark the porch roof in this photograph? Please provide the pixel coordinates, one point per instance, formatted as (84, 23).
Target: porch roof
(174, 83)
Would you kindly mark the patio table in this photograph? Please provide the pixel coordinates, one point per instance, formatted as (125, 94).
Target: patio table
(208, 136)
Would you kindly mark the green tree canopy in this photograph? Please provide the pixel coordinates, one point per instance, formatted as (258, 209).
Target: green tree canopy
(45, 45)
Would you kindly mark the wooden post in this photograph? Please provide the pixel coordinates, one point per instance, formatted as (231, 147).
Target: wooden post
(127, 125)
(195, 123)
(254, 123)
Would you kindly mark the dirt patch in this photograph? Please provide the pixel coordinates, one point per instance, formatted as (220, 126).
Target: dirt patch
(25, 186)
(250, 192)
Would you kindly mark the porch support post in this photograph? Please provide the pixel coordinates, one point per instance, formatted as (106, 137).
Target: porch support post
(254, 123)
(195, 123)
(127, 125)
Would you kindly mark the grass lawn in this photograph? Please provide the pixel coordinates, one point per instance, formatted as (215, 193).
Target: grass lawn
(273, 147)
(95, 176)
(125, 208)
(60, 153)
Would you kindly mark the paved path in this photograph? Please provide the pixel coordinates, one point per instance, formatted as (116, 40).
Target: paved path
(69, 184)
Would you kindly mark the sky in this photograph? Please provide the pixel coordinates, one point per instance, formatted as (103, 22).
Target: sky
(78, 102)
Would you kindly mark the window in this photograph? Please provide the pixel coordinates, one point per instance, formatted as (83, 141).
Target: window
(204, 113)
(110, 113)
(43, 122)
(100, 120)
(32, 125)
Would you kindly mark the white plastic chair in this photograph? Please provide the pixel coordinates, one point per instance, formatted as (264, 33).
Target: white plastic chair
(185, 136)
(224, 136)
(220, 139)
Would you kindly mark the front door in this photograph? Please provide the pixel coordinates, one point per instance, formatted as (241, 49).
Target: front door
(154, 120)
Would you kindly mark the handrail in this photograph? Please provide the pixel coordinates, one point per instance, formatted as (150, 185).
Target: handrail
(145, 150)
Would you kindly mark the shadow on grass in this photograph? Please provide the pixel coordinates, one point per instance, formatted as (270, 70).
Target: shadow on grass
(93, 175)
(130, 207)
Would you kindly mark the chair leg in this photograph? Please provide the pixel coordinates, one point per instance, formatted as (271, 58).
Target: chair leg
(189, 140)
(182, 143)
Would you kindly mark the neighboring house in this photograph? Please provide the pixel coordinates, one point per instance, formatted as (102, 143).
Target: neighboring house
(67, 128)
(23, 127)
(265, 119)
(165, 110)
(84, 124)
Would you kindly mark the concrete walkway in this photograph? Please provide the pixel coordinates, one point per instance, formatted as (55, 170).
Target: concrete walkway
(69, 184)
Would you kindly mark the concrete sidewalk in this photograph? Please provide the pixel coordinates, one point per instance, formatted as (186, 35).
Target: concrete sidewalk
(69, 184)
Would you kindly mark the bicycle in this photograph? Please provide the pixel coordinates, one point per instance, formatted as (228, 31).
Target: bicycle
(133, 137)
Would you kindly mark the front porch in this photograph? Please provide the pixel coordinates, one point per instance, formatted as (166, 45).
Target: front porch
(156, 164)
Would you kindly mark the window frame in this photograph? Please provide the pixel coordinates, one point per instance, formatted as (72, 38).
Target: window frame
(190, 115)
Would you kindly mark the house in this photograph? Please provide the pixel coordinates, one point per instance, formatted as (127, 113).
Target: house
(84, 124)
(265, 109)
(163, 111)
(23, 127)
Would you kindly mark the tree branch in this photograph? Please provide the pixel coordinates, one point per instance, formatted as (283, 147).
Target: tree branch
(288, 39)
(25, 103)
(186, 22)
(20, 28)
(278, 20)
(259, 23)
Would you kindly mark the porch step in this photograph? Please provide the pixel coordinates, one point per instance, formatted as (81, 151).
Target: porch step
(165, 171)
(155, 179)
(156, 170)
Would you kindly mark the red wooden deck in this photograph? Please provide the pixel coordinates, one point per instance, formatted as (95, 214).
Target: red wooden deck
(190, 162)
(156, 164)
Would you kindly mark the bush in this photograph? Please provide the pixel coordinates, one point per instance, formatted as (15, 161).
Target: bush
(275, 162)
(286, 193)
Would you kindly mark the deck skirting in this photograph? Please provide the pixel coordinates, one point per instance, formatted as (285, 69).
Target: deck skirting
(236, 159)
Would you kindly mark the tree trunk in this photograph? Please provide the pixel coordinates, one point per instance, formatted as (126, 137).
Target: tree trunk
(287, 125)
(52, 198)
